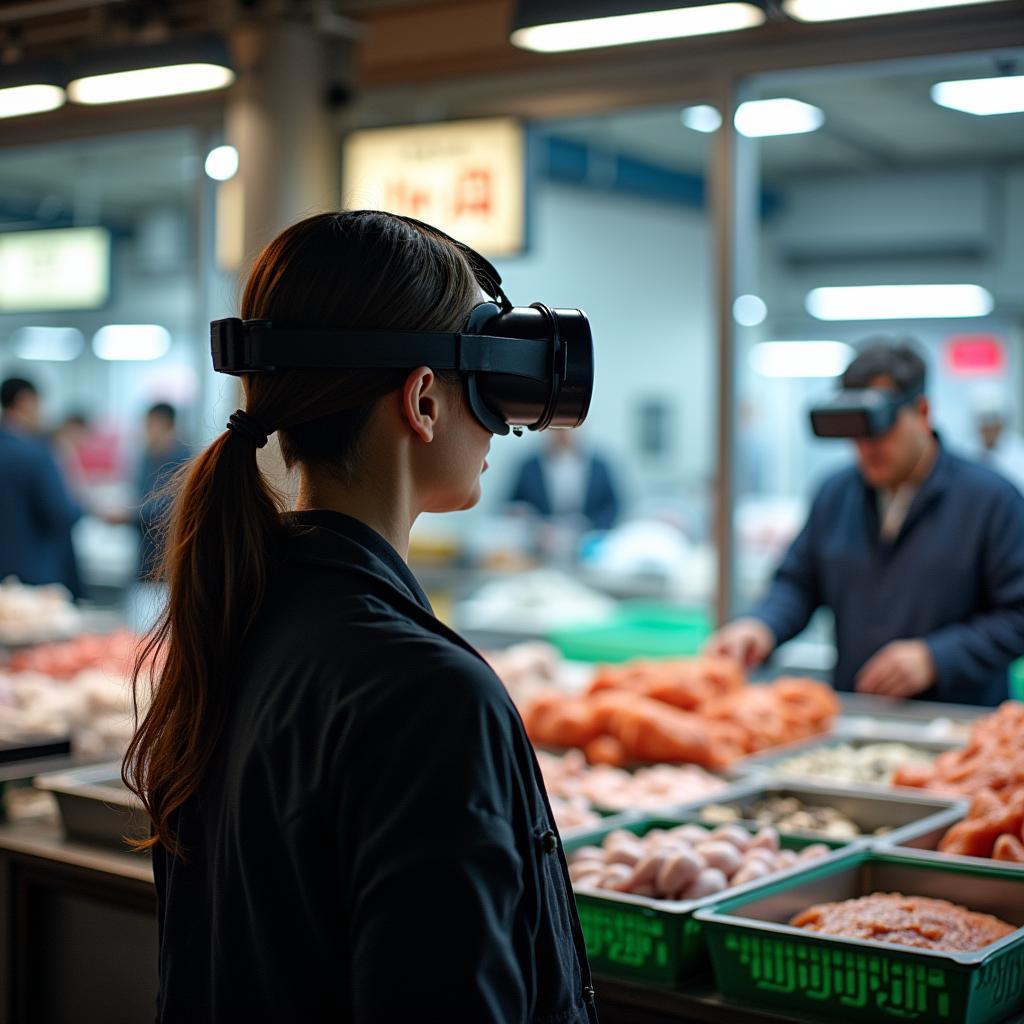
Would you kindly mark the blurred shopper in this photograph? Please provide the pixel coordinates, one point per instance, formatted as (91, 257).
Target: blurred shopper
(36, 510)
(164, 454)
(325, 765)
(1000, 447)
(69, 440)
(918, 553)
(568, 483)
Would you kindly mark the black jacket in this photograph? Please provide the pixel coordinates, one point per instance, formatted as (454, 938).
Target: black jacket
(372, 842)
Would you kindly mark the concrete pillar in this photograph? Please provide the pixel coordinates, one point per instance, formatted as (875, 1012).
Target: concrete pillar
(278, 117)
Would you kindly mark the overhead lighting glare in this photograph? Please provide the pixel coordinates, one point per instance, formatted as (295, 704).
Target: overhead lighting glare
(150, 83)
(53, 344)
(899, 302)
(760, 118)
(139, 342)
(800, 358)
(982, 96)
(19, 100)
(838, 10)
(222, 163)
(701, 118)
(642, 27)
(749, 310)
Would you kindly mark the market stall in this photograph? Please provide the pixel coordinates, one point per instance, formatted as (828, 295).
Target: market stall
(740, 851)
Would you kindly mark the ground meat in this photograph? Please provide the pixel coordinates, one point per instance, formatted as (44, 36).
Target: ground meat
(906, 921)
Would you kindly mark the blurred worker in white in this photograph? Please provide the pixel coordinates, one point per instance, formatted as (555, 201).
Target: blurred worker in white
(568, 483)
(36, 510)
(999, 446)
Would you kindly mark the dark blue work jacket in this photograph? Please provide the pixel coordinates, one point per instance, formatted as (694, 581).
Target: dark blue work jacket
(36, 514)
(600, 499)
(372, 842)
(953, 576)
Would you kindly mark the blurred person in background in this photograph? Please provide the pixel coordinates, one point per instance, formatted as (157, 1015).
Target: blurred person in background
(918, 553)
(164, 454)
(566, 482)
(37, 511)
(999, 446)
(68, 442)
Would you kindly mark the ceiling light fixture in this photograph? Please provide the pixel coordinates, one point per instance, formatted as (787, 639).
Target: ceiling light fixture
(899, 302)
(149, 83)
(982, 96)
(839, 10)
(18, 100)
(149, 72)
(556, 26)
(800, 358)
(52, 344)
(139, 342)
(761, 118)
(701, 118)
(749, 310)
(222, 163)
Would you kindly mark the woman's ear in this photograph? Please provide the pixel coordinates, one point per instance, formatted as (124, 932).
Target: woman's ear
(420, 402)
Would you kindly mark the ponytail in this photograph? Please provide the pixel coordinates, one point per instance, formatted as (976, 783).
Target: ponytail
(217, 552)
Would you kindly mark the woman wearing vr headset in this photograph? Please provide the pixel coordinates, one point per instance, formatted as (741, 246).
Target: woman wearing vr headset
(348, 821)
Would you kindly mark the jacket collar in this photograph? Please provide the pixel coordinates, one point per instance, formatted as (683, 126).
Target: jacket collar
(331, 538)
(931, 490)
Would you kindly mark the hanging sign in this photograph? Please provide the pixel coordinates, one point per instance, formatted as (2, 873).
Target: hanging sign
(62, 268)
(465, 177)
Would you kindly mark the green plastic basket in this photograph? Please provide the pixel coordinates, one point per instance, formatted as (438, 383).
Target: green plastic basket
(760, 960)
(639, 630)
(1017, 679)
(650, 942)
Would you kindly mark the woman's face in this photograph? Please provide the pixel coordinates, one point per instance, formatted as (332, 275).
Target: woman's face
(457, 456)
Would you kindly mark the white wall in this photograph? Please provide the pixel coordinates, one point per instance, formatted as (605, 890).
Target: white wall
(887, 228)
(641, 271)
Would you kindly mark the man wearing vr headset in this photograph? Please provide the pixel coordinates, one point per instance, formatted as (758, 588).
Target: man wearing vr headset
(349, 822)
(918, 553)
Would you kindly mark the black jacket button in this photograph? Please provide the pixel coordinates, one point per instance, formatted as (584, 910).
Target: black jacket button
(549, 841)
(589, 995)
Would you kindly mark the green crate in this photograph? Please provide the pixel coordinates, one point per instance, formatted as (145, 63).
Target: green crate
(640, 630)
(1017, 679)
(651, 942)
(760, 960)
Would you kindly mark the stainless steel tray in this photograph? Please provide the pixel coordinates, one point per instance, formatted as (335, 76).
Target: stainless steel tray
(903, 811)
(95, 807)
(767, 763)
(922, 840)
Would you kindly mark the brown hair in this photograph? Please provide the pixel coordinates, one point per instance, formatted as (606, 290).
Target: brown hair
(354, 269)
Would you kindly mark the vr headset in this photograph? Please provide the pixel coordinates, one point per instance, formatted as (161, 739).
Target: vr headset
(867, 412)
(525, 366)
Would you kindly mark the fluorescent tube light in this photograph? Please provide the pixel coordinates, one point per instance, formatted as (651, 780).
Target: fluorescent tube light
(749, 310)
(837, 10)
(222, 163)
(800, 358)
(18, 100)
(982, 96)
(54, 344)
(760, 118)
(701, 118)
(140, 342)
(642, 27)
(899, 302)
(150, 83)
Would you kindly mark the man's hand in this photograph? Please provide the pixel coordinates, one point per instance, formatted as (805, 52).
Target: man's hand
(748, 641)
(903, 668)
